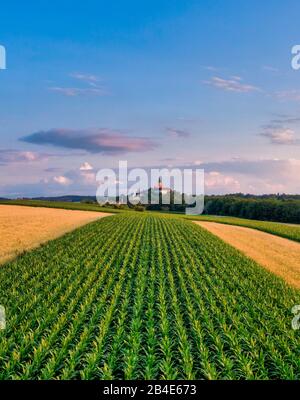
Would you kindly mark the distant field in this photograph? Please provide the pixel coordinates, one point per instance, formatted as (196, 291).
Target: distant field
(279, 255)
(22, 228)
(284, 230)
(140, 296)
(62, 204)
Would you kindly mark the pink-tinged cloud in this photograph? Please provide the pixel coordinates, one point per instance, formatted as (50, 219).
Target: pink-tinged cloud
(217, 182)
(62, 180)
(234, 84)
(99, 140)
(281, 136)
(279, 132)
(8, 156)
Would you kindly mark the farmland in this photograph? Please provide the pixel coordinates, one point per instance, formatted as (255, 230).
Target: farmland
(22, 228)
(278, 255)
(147, 297)
(287, 231)
(283, 230)
(59, 204)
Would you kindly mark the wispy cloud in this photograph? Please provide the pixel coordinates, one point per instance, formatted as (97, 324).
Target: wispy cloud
(85, 77)
(281, 119)
(171, 159)
(269, 68)
(90, 86)
(288, 95)
(210, 68)
(99, 140)
(177, 133)
(8, 156)
(74, 91)
(264, 168)
(52, 169)
(233, 84)
(186, 119)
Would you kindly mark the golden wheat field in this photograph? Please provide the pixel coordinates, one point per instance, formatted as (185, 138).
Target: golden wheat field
(22, 228)
(278, 255)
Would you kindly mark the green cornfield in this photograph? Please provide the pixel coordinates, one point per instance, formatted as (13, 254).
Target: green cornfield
(145, 297)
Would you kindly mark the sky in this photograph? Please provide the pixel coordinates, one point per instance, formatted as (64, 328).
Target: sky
(205, 84)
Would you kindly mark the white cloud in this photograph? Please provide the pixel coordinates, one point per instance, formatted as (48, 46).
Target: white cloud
(278, 130)
(234, 84)
(283, 136)
(62, 180)
(14, 156)
(222, 176)
(269, 68)
(218, 182)
(86, 167)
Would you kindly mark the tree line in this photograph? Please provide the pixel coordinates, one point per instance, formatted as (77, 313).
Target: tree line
(281, 208)
(268, 207)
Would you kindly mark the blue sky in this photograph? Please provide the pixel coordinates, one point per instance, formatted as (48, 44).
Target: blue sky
(163, 82)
